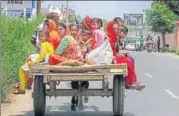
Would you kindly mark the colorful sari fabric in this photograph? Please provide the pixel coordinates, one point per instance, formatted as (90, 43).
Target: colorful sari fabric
(53, 35)
(92, 42)
(56, 59)
(79, 35)
(97, 34)
(84, 46)
(87, 23)
(112, 35)
(68, 49)
(131, 77)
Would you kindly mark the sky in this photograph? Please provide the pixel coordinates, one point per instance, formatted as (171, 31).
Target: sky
(103, 9)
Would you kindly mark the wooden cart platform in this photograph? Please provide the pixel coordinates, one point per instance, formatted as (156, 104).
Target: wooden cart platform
(51, 74)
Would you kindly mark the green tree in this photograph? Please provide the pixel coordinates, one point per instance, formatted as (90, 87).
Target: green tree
(71, 19)
(172, 5)
(162, 20)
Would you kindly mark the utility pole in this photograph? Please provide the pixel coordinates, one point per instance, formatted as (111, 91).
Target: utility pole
(38, 7)
(62, 7)
(67, 12)
(177, 37)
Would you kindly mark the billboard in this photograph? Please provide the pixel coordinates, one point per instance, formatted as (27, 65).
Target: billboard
(18, 4)
(133, 19)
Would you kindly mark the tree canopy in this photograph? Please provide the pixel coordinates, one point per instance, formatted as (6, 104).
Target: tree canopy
(161, 18)
(173, 5)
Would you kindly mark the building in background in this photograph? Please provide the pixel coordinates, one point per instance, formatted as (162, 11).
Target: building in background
(44, 11)
(70, 14)
(63, 12)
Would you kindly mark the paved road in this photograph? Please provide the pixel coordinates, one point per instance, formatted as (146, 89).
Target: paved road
(160, 98)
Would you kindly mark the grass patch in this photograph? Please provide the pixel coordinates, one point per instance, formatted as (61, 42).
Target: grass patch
(16, 47)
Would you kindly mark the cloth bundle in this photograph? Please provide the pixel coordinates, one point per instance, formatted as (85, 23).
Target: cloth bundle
(102, 54)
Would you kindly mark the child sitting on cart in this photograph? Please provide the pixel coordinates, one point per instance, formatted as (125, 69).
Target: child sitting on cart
(73, 30)
(46, 49)
(102, 51)
(52, 35)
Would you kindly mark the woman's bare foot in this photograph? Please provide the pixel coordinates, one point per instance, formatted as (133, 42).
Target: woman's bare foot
(136, 86)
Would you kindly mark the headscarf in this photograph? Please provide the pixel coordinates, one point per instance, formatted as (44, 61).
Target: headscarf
(52, 25)
(99, 36)
(112, 35)
(87, 21)
(53, 35)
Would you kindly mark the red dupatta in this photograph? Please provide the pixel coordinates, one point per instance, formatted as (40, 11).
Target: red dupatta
(113, 36)
(53, 35)
(87, 24)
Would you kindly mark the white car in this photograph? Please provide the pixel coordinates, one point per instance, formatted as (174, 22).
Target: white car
(130, 46)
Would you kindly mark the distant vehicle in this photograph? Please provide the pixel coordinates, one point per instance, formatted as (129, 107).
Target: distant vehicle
(130, 46)
(137, 42)
(150, 48)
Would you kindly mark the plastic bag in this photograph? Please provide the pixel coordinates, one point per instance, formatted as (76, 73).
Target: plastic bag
(102, 54)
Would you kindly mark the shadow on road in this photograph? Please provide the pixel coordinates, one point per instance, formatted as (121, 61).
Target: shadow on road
(86, 113)
(66, 111)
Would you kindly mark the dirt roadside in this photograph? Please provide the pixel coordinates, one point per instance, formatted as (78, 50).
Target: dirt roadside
(19, 105)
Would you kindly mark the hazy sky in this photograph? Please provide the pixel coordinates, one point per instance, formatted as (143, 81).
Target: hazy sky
(103, 9)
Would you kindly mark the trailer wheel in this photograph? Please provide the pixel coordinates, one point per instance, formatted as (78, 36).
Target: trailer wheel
(39, 97)
(118, 95)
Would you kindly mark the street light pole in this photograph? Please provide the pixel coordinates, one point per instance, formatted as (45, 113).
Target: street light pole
(177, 37)
(67, 12)
(38, 7)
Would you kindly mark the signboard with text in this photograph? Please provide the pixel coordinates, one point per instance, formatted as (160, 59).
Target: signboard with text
(17, 4)
(133, 19)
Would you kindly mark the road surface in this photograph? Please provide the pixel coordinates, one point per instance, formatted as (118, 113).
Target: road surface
(160, 73)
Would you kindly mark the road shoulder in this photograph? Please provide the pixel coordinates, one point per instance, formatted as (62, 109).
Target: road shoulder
(174, 55)
(20, 102)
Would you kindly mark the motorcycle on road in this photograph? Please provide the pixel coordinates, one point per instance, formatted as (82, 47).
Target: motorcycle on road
(150, 47)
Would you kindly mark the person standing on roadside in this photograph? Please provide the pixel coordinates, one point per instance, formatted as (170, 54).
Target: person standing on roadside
(141, 42)
(158, 44)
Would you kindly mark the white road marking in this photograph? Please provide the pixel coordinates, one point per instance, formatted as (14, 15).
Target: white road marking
(88, 109)
(171, 94)
(149, 75)
(54, 109)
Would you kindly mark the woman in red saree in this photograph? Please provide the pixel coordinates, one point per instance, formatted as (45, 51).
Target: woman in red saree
(131, 79)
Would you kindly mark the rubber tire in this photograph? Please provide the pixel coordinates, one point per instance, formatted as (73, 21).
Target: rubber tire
(118, 95)
(39, 97)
